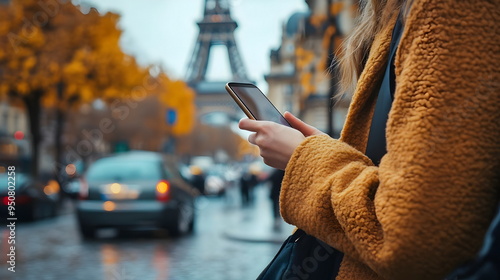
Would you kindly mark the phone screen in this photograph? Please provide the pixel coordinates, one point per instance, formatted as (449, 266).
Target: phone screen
(257, 103)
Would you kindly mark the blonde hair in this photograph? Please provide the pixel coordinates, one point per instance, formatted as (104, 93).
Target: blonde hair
(374, 16)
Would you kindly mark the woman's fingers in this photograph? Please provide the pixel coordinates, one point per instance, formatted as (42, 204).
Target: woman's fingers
(301, 126)
(250, 125)
(275, 141)
(251, 138)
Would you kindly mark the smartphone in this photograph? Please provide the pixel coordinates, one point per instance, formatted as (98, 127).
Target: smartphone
(254, 103)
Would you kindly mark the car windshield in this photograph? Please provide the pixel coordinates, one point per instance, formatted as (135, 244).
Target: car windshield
(119, 170)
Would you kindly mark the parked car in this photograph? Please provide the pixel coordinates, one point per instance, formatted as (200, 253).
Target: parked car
(69, 178)
(210, 180)
(135, 189)
(215, 183)
(32, 199)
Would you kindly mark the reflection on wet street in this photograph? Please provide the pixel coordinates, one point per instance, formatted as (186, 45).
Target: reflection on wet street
(53, 248)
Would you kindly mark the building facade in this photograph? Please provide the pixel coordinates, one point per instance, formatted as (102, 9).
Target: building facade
(14, 133)
(301, 80)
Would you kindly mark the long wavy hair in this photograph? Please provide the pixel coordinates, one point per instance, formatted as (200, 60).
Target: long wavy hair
(374, 16)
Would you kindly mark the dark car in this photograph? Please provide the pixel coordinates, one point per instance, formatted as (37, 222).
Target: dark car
(31, 199)
(135, 189)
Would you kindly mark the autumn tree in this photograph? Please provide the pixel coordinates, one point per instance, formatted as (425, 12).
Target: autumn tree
(97, 69)
(52, 53)
(179, 99)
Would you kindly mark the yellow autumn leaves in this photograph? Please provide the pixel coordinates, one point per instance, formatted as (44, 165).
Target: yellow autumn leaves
(52, 49)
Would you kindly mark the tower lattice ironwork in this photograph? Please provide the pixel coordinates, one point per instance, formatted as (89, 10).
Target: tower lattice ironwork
(216, 28)
(214, 106)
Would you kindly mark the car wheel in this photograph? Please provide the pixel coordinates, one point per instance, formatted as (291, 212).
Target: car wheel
(31, 213)
(87, 231)
(182, 221)
(191, 224)
(36, 211)
(53, 210)
(45, 210)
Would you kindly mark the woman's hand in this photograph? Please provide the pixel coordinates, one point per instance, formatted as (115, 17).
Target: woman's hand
(307, 130)
(277, 142)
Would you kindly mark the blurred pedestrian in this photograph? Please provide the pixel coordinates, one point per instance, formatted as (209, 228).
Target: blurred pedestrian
(198, 178)
(411, 186)
(247, 182)
(275, 179)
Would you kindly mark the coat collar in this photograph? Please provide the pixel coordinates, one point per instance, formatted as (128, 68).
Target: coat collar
(358, 121)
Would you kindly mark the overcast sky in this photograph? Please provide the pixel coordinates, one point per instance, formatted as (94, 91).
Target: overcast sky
(164, 32)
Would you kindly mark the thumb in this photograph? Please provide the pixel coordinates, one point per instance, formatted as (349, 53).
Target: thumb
(301, 126)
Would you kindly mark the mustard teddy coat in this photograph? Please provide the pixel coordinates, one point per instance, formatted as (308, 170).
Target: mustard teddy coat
(425, 209)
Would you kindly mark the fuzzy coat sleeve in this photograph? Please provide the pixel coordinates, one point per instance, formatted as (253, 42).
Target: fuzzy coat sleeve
(425, 209)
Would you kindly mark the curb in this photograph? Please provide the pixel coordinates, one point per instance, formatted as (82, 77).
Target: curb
(259, 234)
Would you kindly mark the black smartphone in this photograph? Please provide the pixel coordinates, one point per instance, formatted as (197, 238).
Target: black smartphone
(254, 103)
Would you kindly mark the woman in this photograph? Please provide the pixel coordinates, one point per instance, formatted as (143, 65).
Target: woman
(425, 208)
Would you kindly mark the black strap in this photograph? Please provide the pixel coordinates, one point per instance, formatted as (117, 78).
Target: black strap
(376, 147)
(396, 33)
(302, 256)
(486, 265)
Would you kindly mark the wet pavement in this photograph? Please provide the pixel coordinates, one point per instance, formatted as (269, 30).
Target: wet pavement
(230, 242)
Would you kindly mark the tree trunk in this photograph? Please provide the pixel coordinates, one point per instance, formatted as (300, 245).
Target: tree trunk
(60, 163)
(33, 105)
(60, 117)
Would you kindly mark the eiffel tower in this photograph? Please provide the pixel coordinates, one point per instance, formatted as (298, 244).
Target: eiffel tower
(216, 28)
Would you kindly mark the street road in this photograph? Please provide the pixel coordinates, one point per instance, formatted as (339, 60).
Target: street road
(53, 249)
